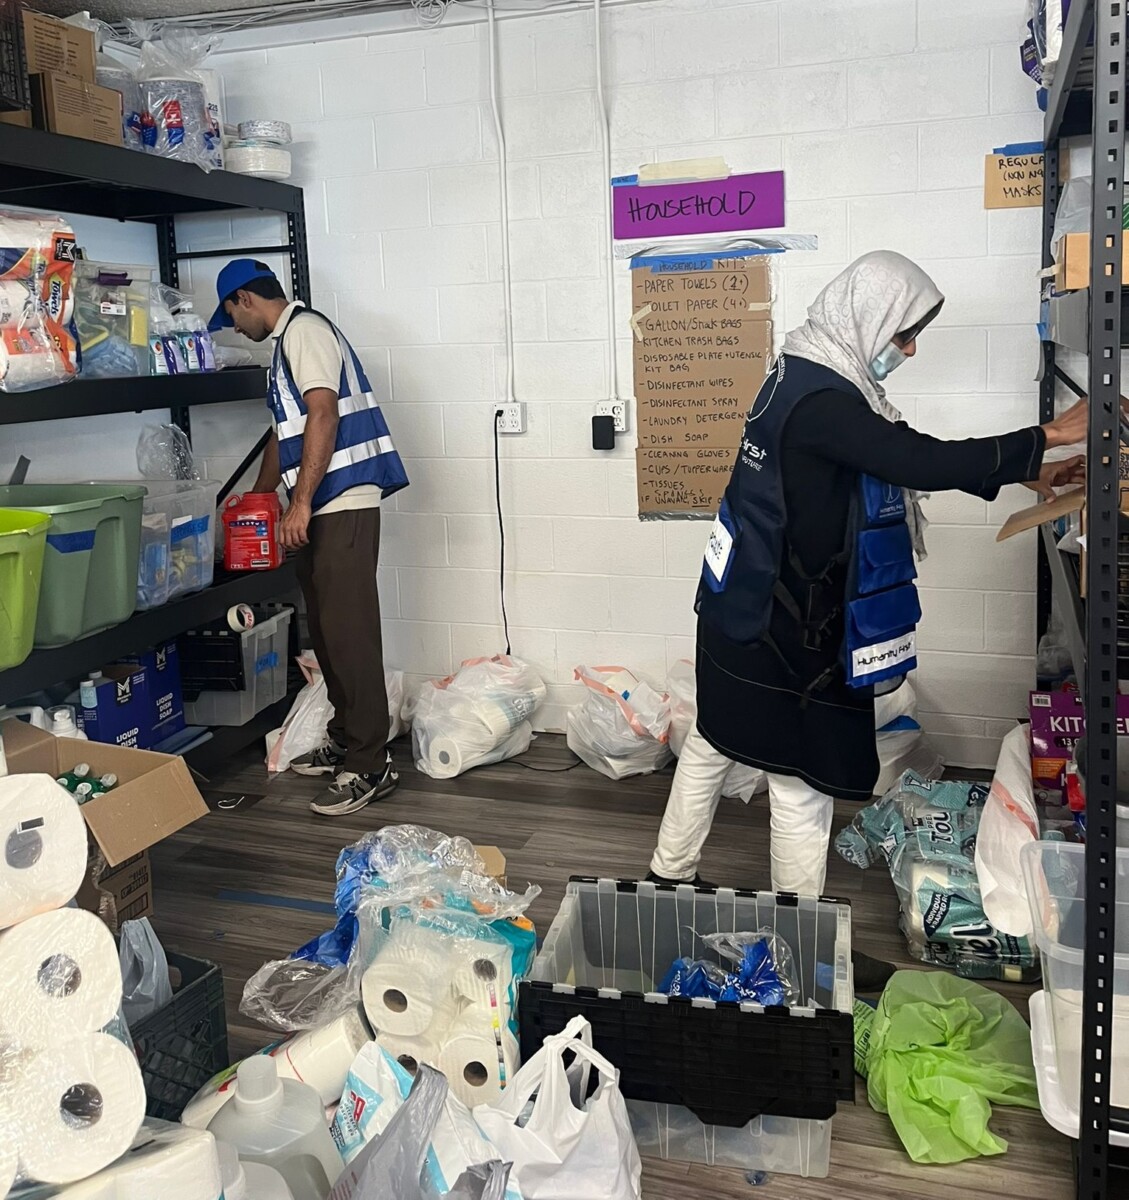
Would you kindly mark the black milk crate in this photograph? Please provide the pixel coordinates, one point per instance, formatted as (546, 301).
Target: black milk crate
(182, 1045)
(608, 949)
(14, 94)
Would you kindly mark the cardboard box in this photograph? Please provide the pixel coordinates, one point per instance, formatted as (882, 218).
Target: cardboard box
(117, 894)
(683, 479)
(165, 700)
(495, 862)
(53, 45)
(689, 426)
(118, 709)
(1013, 180)
(21, 117)
(1072, 262)
(74, 108)
(154, 798)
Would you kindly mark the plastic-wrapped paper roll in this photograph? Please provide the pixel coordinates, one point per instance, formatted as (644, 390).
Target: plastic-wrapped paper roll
(447, 757)
(19, 308)
(502, 714)
(266, 162)
(164, 1161)
(28, 242)
(484, 975)
(23, 370)
(409, 1052)
(75, 1108)
(265, 131)
(42, 847)
(59, 978)
(478, 1060)
(936, 876)
(176, 119)
(322, 1057)
(408, 982)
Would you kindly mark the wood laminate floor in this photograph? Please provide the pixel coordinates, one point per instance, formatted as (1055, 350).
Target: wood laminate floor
(213, 882)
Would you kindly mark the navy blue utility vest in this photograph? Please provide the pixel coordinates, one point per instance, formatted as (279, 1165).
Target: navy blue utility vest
(741, 573)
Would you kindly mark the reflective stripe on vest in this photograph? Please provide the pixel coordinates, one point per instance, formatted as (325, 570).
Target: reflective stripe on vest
(363, 451)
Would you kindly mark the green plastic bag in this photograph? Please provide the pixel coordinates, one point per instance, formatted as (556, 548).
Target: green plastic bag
(942, 1051)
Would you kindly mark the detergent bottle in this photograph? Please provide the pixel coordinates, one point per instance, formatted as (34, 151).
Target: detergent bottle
(250, 524)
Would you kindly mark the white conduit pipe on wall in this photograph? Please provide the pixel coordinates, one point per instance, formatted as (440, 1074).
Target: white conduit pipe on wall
(606, 183)
(504, 200)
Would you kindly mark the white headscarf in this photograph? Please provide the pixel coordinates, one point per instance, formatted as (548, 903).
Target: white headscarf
(854, 319)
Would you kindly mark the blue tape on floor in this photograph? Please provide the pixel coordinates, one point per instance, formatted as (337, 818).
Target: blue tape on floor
(268, 901)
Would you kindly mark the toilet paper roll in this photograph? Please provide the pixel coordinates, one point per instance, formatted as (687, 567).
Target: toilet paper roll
(9, 1162)
(447, 757)
(74, 1109)
(409, 1052)
(502, 714)
(408, 982)
(933, 877)
(478, 1060)
(18, 306)
(322, 1057)
(164, 1161)
(42, 847)
(59, 978)
(484, 976)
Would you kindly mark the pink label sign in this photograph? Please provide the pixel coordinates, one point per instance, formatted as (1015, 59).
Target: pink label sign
(730, 205)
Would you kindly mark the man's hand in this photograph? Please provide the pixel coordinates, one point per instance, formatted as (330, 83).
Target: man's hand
(293, 531)
(1059, 474)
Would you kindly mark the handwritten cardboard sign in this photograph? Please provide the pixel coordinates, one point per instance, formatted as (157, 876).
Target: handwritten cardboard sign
(699, 206)
(702, 346)
(1013, 180)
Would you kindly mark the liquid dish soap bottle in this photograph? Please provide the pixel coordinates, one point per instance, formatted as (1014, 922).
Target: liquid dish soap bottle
(249, 1181)
(281, 1124)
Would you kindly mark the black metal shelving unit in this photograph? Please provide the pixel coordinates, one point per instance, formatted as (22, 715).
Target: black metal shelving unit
(1089, 98)
(69, 175)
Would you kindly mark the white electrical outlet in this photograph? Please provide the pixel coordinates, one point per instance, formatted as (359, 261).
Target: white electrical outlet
(616, 409)
(510, 417)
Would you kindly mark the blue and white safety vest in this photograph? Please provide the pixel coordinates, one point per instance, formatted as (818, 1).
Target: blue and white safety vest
(741, 573)
(363, 453)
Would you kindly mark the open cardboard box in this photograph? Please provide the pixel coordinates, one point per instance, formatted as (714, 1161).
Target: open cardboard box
(154, 798)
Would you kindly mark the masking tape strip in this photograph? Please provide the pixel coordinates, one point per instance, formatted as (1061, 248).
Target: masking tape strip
(666, 264)
(687, 170)
(760, 306)
(637, 316)
(240, 617)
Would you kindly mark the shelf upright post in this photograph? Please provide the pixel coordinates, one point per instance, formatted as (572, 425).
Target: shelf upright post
(170, 273)
(1101, 595)
(299, 252)
(1052, 188)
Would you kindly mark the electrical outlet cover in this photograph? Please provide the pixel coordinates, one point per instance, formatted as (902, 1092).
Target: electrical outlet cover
(510, 417)
(617, 410)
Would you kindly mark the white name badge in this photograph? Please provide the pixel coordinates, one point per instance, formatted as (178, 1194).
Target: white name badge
(718, 550)
(880, 655)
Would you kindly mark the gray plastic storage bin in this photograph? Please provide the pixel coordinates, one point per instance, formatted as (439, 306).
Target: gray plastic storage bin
(731, 1084)
(266, 660)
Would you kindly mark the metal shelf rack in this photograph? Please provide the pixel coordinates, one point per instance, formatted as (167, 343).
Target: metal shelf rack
(68, 175)
(1088, 97)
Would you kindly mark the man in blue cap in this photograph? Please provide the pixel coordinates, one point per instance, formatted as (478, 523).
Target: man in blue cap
(332, 450)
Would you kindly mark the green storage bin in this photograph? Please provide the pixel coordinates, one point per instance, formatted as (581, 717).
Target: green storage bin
(90, 562)
(23, 538)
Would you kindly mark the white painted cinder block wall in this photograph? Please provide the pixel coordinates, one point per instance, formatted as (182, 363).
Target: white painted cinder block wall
(879, 111)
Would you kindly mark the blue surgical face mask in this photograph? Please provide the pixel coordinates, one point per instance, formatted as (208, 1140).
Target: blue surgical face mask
(889, 360)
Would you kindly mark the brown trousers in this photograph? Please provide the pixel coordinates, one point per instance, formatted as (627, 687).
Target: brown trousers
(337, 573)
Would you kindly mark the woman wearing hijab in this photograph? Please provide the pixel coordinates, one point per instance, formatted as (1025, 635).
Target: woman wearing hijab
(807, 604)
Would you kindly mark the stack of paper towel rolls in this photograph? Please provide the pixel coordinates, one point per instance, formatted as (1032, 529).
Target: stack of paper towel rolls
(448, 1002)
(71, 1096)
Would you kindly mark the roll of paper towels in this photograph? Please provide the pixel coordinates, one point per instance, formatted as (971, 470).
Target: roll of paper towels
(42, 848)
(19, 308)
(409, 1052)
(447, 757)
(408, 981)
(75, 1108)
(478, 1061)
(484, 976)
(322, 1057)
(26, 362)
(59, 979)
(165, 1160)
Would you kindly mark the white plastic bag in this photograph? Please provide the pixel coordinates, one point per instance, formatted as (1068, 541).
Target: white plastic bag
(741, 781)
(900, 741)
(622, 726)
(145, 971)
(571, 1146)
(1010, 820)
(394, 686)
(477, 716)
(305, 726)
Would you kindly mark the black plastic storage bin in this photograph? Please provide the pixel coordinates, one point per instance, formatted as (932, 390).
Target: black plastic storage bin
(213, 658)
(14, 94)
(609, 947)
(181, 1046)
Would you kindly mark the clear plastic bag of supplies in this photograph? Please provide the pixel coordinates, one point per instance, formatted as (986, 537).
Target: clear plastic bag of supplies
(178, 118)
(622, 725)
(477, 716)
(404, 874)
(378, 1089)
(145, 970)
(741, 781)
(113, 73)
(756, 968)
(306, 725)
(71, 1092)
(38, 343)
(164, 452)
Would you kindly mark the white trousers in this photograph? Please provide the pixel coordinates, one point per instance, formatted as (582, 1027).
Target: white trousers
(800, 819)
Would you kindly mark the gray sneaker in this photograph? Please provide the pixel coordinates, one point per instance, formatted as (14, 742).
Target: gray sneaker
(325, 760)
(350, 792)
